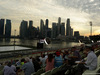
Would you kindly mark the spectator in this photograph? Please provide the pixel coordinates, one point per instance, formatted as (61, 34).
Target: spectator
(58, 59)
(91, 62)
(49, 63)
(66, 58)
(75, 56)
(9, 69)
(28, 67)
(22, 61)
(43, 61)
(36, 64)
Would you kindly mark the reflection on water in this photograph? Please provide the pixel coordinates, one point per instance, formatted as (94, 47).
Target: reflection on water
(53, 44)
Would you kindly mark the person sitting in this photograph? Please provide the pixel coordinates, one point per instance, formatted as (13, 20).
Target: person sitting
(36, 64)
(58, 59)
(75, 56)
(90, 63)
(28, 67)
(49, 62)
(9, 69)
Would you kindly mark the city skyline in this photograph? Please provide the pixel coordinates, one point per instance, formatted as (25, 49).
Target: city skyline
(79, 12)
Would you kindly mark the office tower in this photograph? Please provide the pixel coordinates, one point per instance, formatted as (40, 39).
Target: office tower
(47, 23)
(49, 32)
(58, 26)
(54, 30)
(24, 29)
(8, 28)
(62, 28)
(71, 31)
(30, 28)
(1, 27)
(76, 34)
(42, 29)
(46, 27)
(68, 27)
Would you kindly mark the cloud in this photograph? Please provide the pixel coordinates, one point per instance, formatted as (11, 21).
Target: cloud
(81, 12)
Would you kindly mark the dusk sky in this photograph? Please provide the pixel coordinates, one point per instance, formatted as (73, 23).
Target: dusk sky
(80, 12)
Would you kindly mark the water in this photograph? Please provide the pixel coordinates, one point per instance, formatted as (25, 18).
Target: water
(53, 44)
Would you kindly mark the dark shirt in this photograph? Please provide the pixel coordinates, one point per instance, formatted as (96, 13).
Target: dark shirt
(76, 53)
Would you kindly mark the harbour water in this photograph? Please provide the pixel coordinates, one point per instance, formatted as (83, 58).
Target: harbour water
(53, 44)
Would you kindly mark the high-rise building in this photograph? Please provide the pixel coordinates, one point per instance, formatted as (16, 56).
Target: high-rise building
(71, 31)
(8, 28)
(24, 29)
(54, 30)
(42, 29)
(68, 27)
(76, 34)
(49, 32)
(58, 26)
(46, 27)
(30, 28)
(47, 23)
(1, 27)
(62, 28)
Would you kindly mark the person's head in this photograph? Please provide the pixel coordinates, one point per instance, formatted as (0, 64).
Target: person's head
(50, 57)
(27, 59)
(66, 53)
(9, 64)
(57, 53)
(87, 49)
(43, 55)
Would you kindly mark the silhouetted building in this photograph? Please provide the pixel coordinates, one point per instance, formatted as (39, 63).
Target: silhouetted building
(47, 23)
(1, 27)
(58, 26)
(76, 34)
(49, 32)
(62, 28)
(42, 29)
(24, 29)
(54, 30)
(46, 27)
(71, 31)
(8, 28)
(30, 29)
(68, 27)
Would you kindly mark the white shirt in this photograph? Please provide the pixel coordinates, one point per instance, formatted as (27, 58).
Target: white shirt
(9, 70)
(91, 61)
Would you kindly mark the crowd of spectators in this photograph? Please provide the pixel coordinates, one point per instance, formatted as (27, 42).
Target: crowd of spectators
(48, 61)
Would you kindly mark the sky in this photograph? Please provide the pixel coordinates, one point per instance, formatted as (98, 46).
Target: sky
(80, 12)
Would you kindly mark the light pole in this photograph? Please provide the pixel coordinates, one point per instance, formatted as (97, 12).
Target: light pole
(14, 39)
(91, 28)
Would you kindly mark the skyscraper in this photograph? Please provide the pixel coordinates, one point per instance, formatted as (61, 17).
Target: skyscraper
(62, 28)
(24, 29)
(8, 28)
(42, 29)
(47, 23)
(54, 30)
(1, 27)
(30, 28)
(68, 27)
(71, 31)
(58, 26)
(46, 27)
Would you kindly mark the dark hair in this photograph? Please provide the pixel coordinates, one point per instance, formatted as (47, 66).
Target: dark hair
(9, 64)
(50, 57)
(43, 55)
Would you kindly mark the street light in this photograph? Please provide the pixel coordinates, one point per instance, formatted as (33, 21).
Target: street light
(14, 38)
(91, 28)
